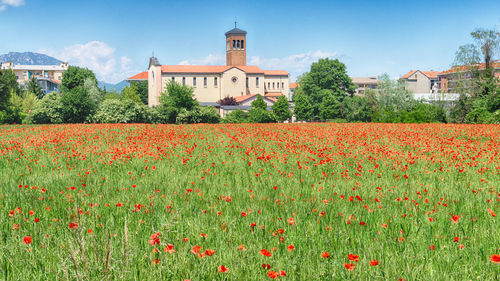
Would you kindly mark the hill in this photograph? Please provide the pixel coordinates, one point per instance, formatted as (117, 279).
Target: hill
(29, 58)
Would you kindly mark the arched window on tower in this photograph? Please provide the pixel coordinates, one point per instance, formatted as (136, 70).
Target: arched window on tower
(234, 44)
(243, 44)
(238, 44)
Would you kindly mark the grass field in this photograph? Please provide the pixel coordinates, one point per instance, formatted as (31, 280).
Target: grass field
(250, 202)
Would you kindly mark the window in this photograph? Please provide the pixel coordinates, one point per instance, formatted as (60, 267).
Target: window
(183, 81)
(194, 81)
(273, 85)
(243, 44)
(234, 44)
(247, 82)
(269, 85)
(282, 85)
(237, 44)
(257, 82)
(205, 81)
(173, 79)
(215, 81)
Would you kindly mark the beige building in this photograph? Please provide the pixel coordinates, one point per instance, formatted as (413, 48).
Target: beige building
(364, 83)
(49, 76)
(421, 81)
(212, 83)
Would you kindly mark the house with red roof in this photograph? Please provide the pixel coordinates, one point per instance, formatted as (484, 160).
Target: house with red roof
(212, 83)
(457, 77)
(418, 81)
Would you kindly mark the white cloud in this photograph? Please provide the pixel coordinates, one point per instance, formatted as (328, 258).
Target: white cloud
(99, 57)
(212, 59)
(13, 3)
(4, 4)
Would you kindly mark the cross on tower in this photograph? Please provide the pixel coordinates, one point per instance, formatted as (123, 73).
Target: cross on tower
(235, 22)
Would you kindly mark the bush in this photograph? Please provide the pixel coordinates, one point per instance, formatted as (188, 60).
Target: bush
(77, 105)
(198, 114)
(121, 111)
(281, 109)
(48, 110)
(237, 116)
(259, 115)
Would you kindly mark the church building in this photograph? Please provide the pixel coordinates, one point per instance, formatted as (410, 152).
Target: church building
(212, 83)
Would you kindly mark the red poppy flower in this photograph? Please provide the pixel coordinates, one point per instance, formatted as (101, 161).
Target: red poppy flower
(495, 258)
(265, 266)
(265, 253)
(349, 266)
(156, 261)
(196, 249)
(242, 248)
(374, 262)
(222, 269)
(27, 239)
(73, 225)
(243, 214)
(272, 274)
(353, 257)
(282, 273)
(432, 247)
(209, 252)
(169, 249)
(291, 221)
(291, 247)
(492, 213)
(455, 218)
(325, 255)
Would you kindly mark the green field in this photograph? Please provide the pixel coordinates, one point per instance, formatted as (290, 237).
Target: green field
(103, 202)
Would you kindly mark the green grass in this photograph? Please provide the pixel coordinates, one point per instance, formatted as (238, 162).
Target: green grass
(307, 163)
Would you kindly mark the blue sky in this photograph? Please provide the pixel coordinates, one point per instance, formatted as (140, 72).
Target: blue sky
(116, 38)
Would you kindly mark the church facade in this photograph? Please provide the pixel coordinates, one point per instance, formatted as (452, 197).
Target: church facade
(212, 83)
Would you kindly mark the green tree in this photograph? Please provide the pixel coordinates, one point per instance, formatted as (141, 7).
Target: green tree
(392, 94)
(8, 87)
(303, 109)
(75, 77)
(326, 77)
(173, 100)
(142, 90)
(281, 109)
(356, 109)
(77, 105)
(130, 93)
(95, 94)
(33, 86)
(329, 107)
(48, 110)
(259, 103)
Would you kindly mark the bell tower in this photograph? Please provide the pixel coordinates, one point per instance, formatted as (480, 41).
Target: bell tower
(236, 46)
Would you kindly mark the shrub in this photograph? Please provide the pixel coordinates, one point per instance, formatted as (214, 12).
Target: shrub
(121, 111)
(198, 114)
(48, 110)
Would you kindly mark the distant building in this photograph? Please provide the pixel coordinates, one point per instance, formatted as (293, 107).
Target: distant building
(418, 81)
(364, 83)
(214, 82)
(293, 86)
(49, 76)
(143, 76)
(452, 78)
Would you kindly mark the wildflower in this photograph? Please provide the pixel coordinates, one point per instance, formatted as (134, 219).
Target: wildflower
(222, 269)
(349, 266)
(265, 253)
(27, 239)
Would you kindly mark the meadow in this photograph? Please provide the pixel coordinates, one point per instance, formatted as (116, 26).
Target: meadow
(250, 202)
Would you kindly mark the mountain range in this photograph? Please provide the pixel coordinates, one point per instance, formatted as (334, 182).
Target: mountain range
(30, 58)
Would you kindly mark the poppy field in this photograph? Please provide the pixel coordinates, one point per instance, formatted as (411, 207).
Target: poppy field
(250, 202)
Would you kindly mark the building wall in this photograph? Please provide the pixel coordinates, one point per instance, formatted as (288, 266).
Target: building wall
(208, 93)
(281, 84)
(234, 89)
(418, 83)
(155, 86)
(252, 85)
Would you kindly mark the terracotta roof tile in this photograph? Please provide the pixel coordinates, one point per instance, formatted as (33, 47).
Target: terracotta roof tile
(208, 68)
(275, 72)
(268, 94)
(294, 85)
(241, 99)
(495, 64)
(140, 76)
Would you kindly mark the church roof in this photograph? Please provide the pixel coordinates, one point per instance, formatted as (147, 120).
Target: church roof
(236, 31)
(139, 77)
